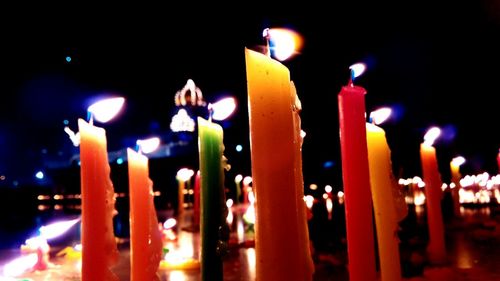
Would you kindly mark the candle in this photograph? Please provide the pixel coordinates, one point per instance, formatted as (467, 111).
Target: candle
(280, 245)
(382, 183)
(145, 236)
(214, 231)
(196, 207)
(303, 229)
(99, 251)
(356, 178)
(455, 179)
(436, 251)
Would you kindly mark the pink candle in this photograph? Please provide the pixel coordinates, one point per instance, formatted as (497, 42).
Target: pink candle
(356, 178)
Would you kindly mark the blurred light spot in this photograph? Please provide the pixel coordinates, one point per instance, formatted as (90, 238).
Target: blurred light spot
(328, 164)
(68, 59)
(119, 161)
(39, 175)
(65, 122)
(239, 148)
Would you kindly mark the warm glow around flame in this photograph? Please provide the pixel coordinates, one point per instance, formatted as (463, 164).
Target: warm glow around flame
(148, 145)
(380, 115)
(431, 135)
(357, 69)
(223, 108)
(457, 161)
(285, 43)
(184, 174)
(56, 229)
(105, 110)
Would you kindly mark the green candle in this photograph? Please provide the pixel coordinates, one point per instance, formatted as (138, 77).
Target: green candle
(214, 231)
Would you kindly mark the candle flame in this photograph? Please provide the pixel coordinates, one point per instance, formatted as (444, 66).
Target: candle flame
(357, 69)
(380, 115)
(223, 108)
(247, 180)
(169, 223)
(285, 43)
(184, 174)
(431, 135)
(106, 109)
(148, 145)
(20, 265)
(56, 229)
(238, 178)
(457, 161)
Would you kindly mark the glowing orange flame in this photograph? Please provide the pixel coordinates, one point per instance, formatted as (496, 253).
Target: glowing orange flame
(380, 115)
(285, 42)
(105, 110)
(431, 136)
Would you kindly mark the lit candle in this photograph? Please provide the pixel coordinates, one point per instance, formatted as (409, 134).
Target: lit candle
(382, 183)
(455, 179)
(145, 236)
(278, 249)
(99, 251)
(214, 231)
(356, 178)
(436, 251)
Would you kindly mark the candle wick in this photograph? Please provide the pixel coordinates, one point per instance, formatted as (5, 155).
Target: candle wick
(351, 79)
(266, 36)
(210, 112)
(90, 117)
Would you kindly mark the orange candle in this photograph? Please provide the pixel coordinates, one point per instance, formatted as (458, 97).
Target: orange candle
(99, 251)
(145, 237)
(279, 244)
(436, 251)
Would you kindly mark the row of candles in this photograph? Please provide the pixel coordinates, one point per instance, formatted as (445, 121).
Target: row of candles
(282, 246)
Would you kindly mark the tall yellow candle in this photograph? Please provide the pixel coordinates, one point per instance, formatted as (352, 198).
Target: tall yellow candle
(99, 251)
(145, 237)
(384, 204)
(436, 251)
(279, 248)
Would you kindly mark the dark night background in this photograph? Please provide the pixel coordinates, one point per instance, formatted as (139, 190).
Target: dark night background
(435, 66)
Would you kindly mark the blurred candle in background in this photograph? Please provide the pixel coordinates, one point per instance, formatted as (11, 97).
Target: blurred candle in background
(356, 178)
(436, 251)
(455, 179)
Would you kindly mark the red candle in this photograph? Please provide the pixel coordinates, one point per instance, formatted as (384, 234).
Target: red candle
(196, 211)
(356, 178)
(145, 236)
(99, 251)
(436, 252)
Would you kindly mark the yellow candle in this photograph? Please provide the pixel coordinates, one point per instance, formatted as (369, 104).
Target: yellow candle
(384, 204)
(299, 186)
(99, 251)
(145, 237)
(455, 178)
(279, 248)
(436, 251)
